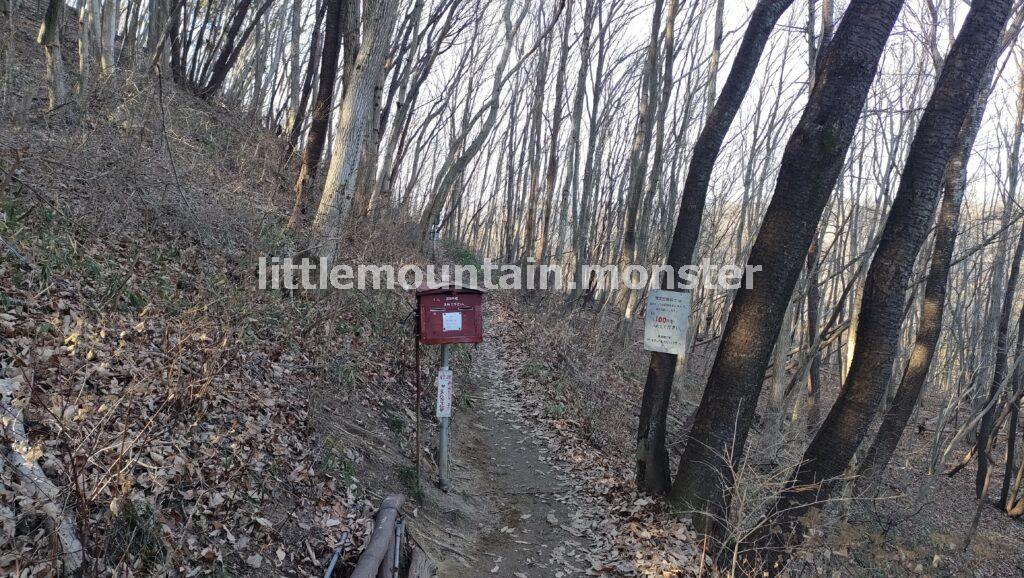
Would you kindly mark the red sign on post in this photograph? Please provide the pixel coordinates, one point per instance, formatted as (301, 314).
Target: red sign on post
(450, 314)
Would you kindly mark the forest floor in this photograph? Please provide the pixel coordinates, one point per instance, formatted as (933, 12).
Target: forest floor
(507, 506)
(530, 495)
(264, 427)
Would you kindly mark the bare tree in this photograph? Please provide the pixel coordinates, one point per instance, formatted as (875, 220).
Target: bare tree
(810, 167)
(884, 305)
(652, 458)
(954, 184)
(353, 117)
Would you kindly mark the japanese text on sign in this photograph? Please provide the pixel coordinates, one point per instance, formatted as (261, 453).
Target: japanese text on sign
(667, 321)
(452, 321)
(444, 393)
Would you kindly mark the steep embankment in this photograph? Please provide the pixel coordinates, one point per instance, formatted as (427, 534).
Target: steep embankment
(179, 411)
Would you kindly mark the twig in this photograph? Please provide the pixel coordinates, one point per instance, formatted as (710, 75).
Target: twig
(37, 483)
(167, 141)
(12, 251)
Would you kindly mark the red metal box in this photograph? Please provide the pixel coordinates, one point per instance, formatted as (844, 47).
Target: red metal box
(450, 314)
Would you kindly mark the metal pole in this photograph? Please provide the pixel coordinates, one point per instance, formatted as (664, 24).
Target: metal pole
(396, 563)
(416, 338)
(443, 472)
(435, 234)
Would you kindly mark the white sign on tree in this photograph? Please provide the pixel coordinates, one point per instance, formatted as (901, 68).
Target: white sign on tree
(667, 321)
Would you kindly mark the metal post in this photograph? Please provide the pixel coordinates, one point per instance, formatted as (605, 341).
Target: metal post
(416, 338)
(435, 234)
(396, 562)
(442, 451)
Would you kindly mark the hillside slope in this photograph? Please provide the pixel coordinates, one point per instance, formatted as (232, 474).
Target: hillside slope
(196, 425)
(167, 397)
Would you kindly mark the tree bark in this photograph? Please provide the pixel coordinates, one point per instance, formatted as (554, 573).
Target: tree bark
(302, 210)
(811, 164)
(49, 38)
(954, 183)
(884, 303)
(652, 467)
(353, 117)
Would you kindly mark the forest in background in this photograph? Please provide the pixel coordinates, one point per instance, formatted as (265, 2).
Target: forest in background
(865, 154)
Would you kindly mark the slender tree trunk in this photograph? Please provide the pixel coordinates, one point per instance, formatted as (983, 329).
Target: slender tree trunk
(810, 167)
(302, 210)
(233, 44)
(987, 426)
(716, 54)
(814, 46)
(84, 51)
(551, 174)
(641, 143)
(652, 468)
(536, 116)
(315, 53)
(884, 303)
(295, 64)
(581, 236)
(49, 38)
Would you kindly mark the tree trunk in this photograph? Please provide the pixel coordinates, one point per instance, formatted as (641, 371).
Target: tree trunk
(987, 426)
(49, 38)
(954, 184)
(233, 44)
(107, 42)
(295, 65)
(581, 234)
(652, 468)
(716, 53)
(302, 210)
(541, 248)
(810, 167)
(814, 46)
(884, 303)
(315, 53)
(84, 51)
(641, 143)
(353, 117)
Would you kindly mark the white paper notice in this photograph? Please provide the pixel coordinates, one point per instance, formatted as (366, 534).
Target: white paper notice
(444, 393)
(666, 321)
(451, 321)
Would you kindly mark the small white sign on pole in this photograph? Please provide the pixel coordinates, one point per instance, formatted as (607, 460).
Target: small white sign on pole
(444, 393)
(667, 321)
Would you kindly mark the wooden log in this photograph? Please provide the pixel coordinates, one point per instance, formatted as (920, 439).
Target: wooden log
(380, 539)
(421, 566)
(35, 482)
(385, 570)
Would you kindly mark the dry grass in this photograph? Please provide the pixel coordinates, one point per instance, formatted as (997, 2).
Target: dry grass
(185, 414)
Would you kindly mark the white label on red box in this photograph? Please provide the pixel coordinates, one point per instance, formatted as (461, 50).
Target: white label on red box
(452, 321)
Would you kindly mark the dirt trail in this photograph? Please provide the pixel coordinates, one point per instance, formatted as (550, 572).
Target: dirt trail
(505, 513)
